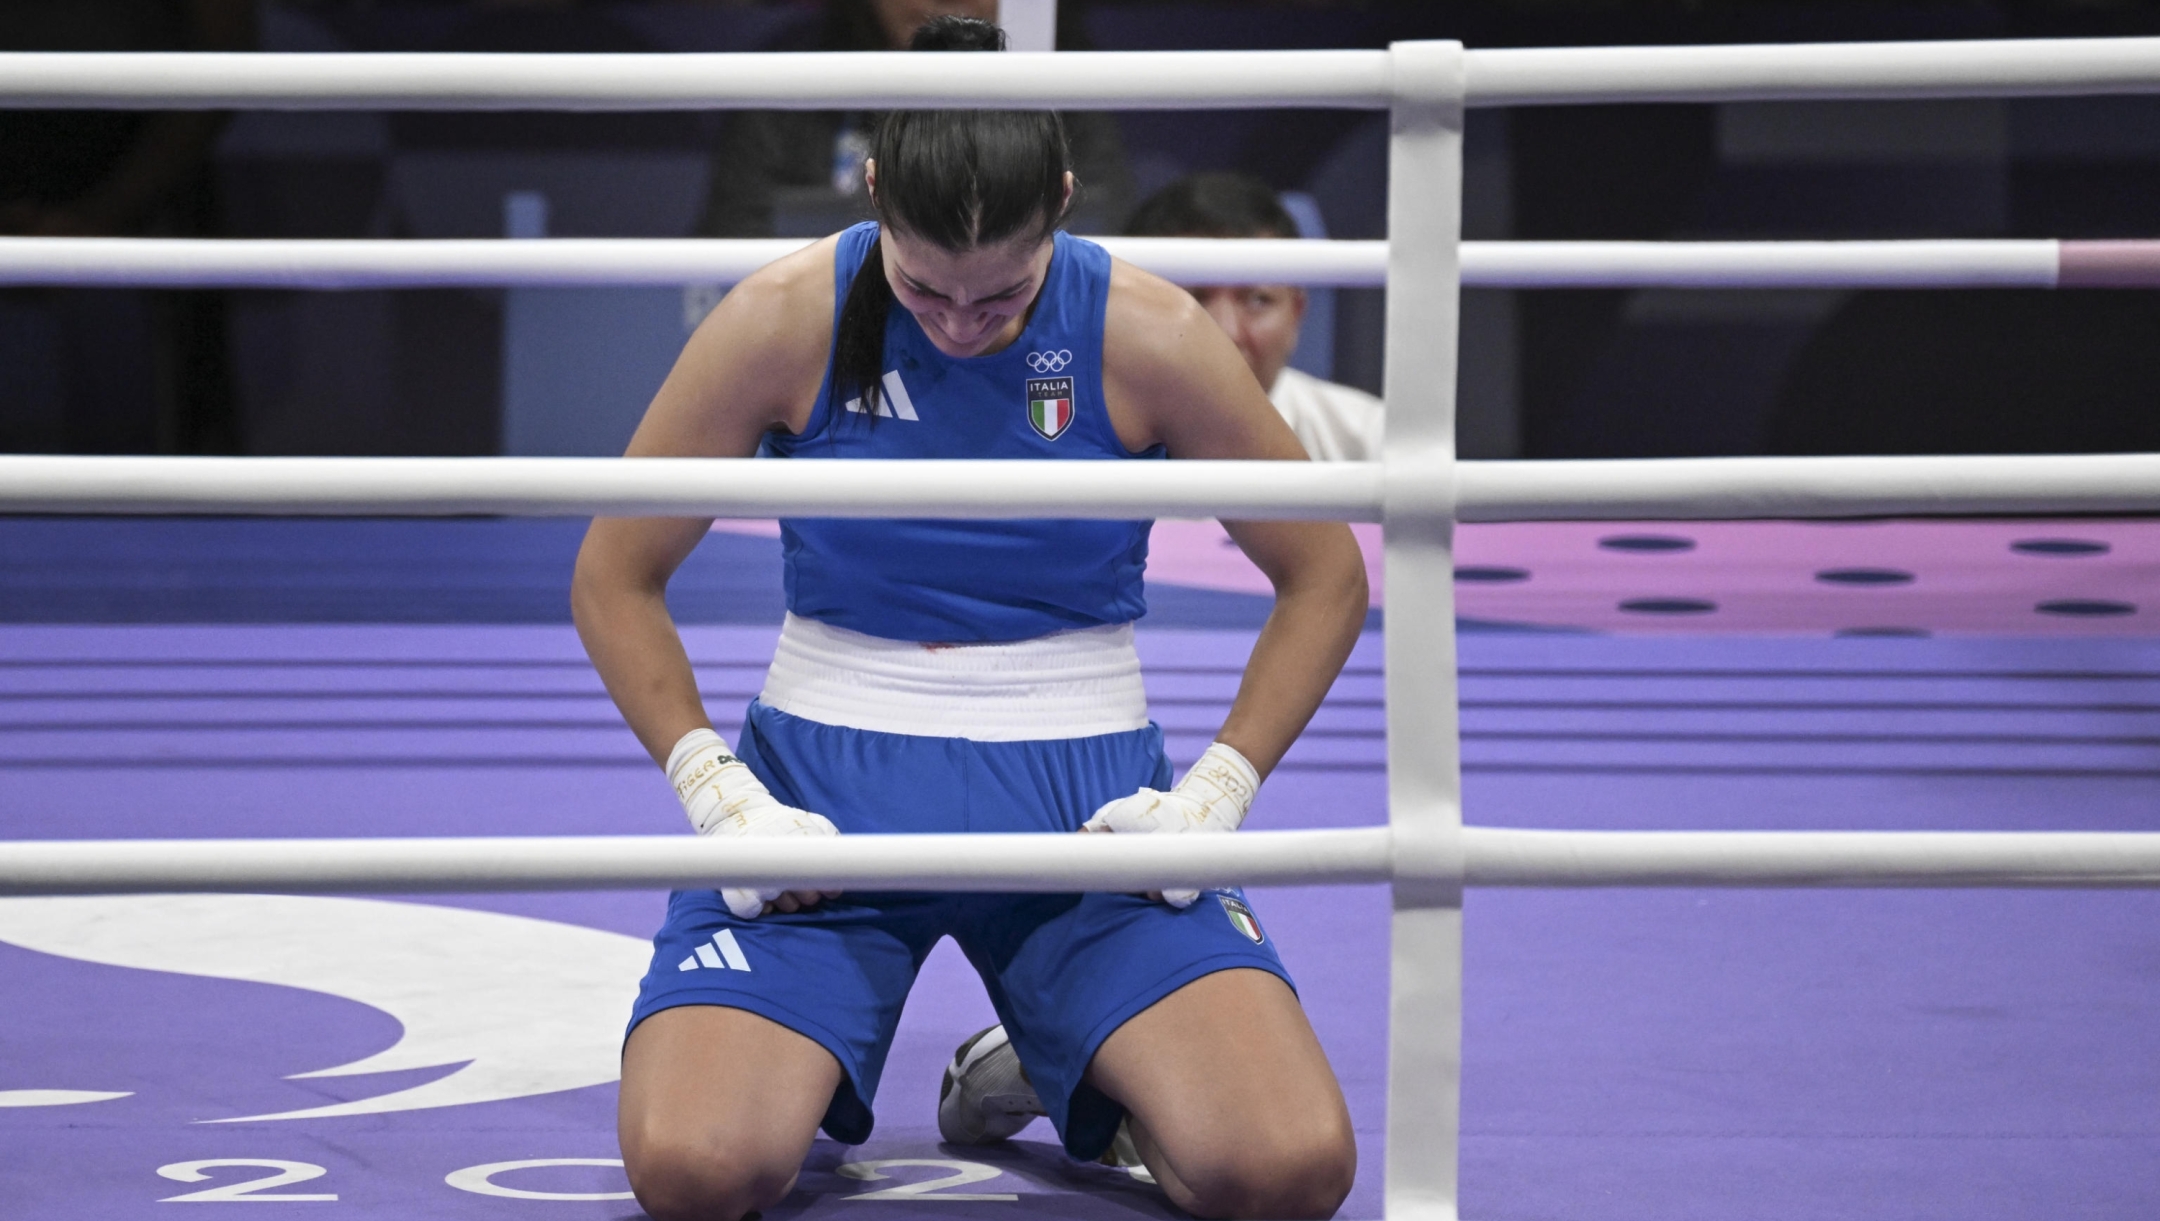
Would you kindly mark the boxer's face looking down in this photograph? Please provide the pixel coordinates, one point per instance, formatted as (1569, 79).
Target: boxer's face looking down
(972, 302)
(969, 302)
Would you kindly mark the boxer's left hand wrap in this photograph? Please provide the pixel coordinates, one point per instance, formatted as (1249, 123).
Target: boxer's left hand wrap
(1214, 796)
(722, 797)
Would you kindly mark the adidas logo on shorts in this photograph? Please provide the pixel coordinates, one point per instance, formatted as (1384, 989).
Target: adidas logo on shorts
(719, 954)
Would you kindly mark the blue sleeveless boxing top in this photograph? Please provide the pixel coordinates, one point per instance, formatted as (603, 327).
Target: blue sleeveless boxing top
(1040, 397)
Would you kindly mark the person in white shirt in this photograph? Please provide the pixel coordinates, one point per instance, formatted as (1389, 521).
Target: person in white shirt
(1336, 423)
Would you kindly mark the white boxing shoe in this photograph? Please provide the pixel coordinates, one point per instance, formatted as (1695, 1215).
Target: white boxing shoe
(1122, 1154)
(986, 1096)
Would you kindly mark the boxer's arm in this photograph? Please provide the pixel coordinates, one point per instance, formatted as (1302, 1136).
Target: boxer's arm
(754, 365)
(1171, 377)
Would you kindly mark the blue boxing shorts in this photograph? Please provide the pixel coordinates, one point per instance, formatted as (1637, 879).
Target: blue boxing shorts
(1062, 970)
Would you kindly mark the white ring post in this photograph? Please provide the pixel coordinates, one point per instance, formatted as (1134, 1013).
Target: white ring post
(1418, 505)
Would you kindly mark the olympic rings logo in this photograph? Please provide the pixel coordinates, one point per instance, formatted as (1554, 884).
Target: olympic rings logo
(1049, 362)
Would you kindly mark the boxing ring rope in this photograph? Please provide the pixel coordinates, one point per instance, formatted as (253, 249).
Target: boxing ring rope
(1424, 852)
(576, 262)
(1013, 863)
(1581, 490)
(1119, 80)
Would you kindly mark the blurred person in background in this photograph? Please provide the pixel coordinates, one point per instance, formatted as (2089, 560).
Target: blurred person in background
(809, 163)
(113, 370)
(1336, 423)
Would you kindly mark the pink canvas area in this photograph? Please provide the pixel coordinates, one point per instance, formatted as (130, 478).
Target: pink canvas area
(750, 527)
(2001, 577)
(1986, 577)
(1200, 555)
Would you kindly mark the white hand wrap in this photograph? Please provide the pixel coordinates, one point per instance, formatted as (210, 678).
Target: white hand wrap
(1214, 796)
(723, 798)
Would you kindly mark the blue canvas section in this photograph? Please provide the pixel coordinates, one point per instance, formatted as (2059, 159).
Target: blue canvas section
(393, 570)
(340, 570)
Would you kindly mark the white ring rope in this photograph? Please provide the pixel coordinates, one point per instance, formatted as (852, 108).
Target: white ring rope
(1739, 488)
(1129, 80)
(1514, 857)
(564, 262)
(687, 487)
(995, 862)
(1675, 488)
(1053, 863)
(421, 80)
(1822, 71)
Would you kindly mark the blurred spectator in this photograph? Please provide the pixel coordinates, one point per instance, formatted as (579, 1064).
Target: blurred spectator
(1336, 423)
(113, 370)
(799, 173)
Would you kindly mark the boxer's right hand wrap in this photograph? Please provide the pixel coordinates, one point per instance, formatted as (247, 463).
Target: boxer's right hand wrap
(722, 797)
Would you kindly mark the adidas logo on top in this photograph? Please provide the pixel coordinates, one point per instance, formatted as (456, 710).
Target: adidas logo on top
(894, 403)
(719, 954)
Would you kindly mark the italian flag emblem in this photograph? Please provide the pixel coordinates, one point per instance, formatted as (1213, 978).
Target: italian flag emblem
(1050, 405)
(1241, 918)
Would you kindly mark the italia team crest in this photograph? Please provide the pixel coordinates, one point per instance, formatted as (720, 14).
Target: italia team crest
(1050, 405)
(1241, 918)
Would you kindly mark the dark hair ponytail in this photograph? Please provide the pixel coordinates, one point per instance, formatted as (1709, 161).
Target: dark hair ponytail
(960, 179)
(859, 341)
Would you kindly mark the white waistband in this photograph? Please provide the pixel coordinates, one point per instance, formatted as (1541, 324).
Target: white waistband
(1067, 685)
